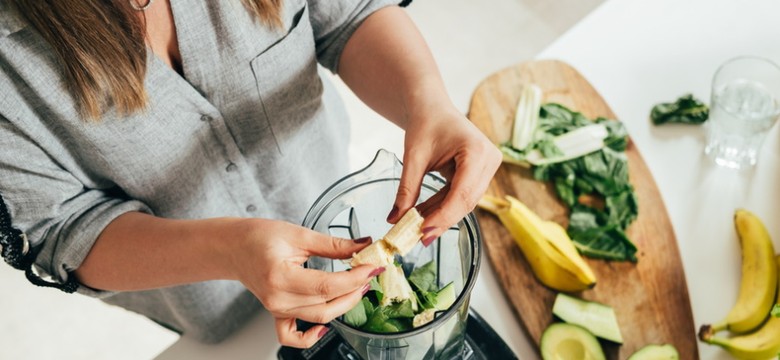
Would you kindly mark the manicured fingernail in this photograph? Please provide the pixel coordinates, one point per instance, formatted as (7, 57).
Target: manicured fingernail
(323, 332)
(393, 213)
(362, 240)
(427, 241)
(376, 272)
(366, 288)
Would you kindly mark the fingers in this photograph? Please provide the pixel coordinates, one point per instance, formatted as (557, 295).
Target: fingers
(317, 244)
(468, 185)
(287, 330)
(327, 286)
(300, 287)
(324, 313)
(289, 335)
(409, 188)
(432, 203)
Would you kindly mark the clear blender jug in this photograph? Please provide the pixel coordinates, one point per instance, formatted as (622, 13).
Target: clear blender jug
(357, 206)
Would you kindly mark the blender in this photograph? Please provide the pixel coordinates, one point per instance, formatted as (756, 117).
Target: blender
(356, 206)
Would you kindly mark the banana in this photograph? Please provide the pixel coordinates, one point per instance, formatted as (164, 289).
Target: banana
(400, 239)
(377, 254)
(395, 287)
(764, 343)
(544, 246)
(424, 317)
(759, 278)
(405, 234)
(559, 239)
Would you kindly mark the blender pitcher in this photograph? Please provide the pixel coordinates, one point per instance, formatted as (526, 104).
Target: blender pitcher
(357, 206)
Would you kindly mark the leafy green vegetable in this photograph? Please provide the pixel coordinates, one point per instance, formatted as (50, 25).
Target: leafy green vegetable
(776, 310)
(370, 316)
(603, 242)
(424, 277)
(357, 315)
(686, 110)
(596, 232)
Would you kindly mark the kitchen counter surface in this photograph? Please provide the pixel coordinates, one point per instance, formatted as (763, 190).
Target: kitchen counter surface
(637, 53)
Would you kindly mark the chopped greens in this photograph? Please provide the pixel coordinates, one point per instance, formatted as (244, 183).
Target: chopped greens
(686, 110)
(593, 185)
(370, 315)
(424, 277)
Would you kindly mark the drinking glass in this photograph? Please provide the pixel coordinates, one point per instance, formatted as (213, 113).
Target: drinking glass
(743, 107)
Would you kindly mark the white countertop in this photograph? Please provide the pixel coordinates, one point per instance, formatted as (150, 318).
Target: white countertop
(637, 53)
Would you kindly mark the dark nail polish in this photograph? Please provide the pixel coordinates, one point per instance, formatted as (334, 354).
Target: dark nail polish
(393, 213)
(323, 332)
(427, 241)
(376, 272)
(362, 240)
(366, 288)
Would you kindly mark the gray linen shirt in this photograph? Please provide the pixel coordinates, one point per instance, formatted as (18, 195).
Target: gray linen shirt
(251, 130)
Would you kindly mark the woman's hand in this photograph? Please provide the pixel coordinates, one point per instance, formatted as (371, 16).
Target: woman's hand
(388, 65)
(268, 262)
(443, 140)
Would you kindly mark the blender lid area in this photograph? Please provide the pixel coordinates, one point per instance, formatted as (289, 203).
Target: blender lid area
(482, 342)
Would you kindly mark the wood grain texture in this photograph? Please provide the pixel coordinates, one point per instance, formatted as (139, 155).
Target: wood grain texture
(650, 297)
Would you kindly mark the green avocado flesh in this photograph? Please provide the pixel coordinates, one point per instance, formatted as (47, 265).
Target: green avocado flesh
(598, 318)
(656, 352)
(562, 341)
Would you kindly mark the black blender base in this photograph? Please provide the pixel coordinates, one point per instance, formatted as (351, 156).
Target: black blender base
(481, 343)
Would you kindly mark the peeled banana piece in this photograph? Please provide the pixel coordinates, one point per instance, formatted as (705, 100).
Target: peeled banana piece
(400, 239)
(759, 278)
(762, 344)
(547, 248)
(405, 234)
(395, 287)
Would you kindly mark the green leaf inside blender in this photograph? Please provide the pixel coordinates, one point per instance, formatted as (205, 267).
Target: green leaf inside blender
(392, 305)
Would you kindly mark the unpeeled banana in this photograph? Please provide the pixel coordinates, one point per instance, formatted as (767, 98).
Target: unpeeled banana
(762, 344)
(400, 239)
(759, 278)
(545, 245)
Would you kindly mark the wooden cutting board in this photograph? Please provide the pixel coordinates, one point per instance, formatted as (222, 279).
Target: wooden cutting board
(650, 297)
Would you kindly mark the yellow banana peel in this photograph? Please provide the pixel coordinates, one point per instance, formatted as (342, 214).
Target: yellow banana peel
(545, 245)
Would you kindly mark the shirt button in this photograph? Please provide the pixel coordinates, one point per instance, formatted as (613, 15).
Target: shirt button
(251, 208)
(205, 118)
(231, 167)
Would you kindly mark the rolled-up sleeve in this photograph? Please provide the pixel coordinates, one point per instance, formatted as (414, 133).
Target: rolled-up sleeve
(60, 216)
(334, 21)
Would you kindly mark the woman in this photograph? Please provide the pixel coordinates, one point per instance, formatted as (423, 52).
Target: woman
(157, 154)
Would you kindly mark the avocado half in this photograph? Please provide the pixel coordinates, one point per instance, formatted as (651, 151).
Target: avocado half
(656, 352)
(561, 341)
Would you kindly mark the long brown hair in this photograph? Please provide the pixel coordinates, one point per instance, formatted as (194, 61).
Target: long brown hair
(101, 47)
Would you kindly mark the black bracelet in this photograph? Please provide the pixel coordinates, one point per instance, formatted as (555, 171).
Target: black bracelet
(17, 252)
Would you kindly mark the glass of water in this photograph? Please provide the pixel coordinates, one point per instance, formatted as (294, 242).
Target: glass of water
(743, 107)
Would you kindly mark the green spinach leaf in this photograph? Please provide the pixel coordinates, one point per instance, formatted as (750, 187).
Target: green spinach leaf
(607, 242)
(603, 174)
(357, 315)
(424, 277)
(686, 110)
